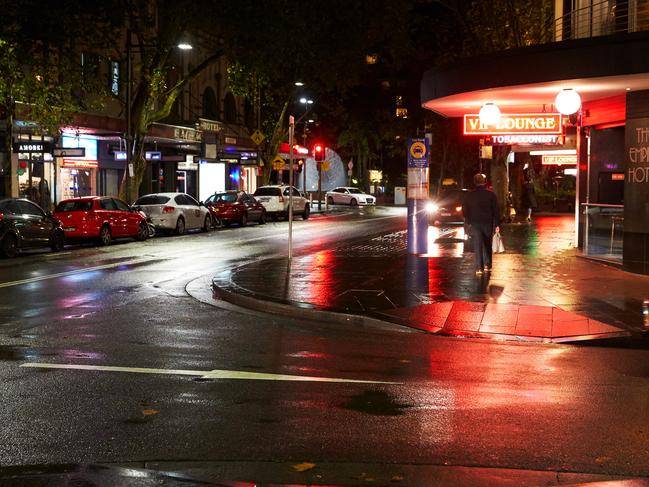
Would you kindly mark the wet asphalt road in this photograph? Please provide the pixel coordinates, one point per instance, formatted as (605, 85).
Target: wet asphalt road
(457, 402)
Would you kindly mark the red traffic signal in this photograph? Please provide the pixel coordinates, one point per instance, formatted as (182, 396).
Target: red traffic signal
(319, 152)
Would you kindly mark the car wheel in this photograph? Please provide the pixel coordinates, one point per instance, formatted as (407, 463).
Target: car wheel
(57, 242)
(105, 236)
(142, 232)
(207, 224)
(330, 201)
(262, 218)
(9, 246)
(180, 226)
(306, 212)
(244, 220)
(353, 202)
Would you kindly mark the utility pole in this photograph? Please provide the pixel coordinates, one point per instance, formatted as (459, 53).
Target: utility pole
(129, 95)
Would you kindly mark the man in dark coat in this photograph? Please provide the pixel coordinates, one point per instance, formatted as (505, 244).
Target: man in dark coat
(529, 198)
(482, 214)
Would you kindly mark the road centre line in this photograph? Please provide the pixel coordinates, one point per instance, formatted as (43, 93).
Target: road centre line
(205, 374)
(72, 273)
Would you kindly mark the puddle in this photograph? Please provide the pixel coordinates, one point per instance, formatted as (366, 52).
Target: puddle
(377, 403)
(21, 353)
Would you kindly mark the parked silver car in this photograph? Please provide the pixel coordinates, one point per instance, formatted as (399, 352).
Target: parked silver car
(175, 211)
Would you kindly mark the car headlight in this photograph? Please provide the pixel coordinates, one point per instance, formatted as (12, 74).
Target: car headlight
(431, 207)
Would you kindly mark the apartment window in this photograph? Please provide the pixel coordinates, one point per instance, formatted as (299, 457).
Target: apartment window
(402, 113)
(371, 59)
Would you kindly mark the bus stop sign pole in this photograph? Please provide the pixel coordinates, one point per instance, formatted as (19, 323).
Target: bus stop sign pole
(418, 156)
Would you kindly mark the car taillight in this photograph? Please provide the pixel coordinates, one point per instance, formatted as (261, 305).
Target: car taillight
(168, 209)
(458, 208)
(2, 216)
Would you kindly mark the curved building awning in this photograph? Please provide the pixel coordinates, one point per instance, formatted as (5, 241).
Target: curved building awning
(526, 79)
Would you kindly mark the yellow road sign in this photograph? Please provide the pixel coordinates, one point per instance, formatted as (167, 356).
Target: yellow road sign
(257, 137)
(278, 163)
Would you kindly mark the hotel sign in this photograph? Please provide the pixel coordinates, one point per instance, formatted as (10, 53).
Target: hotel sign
(548, 160)
(516, 124)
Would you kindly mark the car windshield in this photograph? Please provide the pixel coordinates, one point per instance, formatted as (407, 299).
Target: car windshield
(222, 198)
(152, 199)
(83, 205)
(354, 191)
(267, 192)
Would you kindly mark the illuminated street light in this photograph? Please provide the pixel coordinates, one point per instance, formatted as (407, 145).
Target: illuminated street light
(299, 83)
(185, 46)
(489, 114)
(568, 101)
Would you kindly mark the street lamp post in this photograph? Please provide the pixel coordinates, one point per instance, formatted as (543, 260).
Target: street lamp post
(306, 102)
(291, 130)
(129, 171)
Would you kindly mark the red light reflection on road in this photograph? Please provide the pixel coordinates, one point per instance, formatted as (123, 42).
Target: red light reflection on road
(313, 282)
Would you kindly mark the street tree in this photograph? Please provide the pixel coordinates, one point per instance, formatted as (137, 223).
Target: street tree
(155, 28)
(323, 44)
(44, 79)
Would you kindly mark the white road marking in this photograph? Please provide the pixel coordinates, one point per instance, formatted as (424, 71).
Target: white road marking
(71, 273)
(205, 374)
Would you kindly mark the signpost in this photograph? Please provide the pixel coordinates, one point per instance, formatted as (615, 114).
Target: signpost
(417, 195)
(291, 130)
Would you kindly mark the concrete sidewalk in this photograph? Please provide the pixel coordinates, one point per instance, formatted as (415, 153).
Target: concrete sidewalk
(540, 289)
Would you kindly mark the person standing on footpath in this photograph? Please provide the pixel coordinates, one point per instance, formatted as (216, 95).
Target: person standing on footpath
(529, 198)
(483, 216)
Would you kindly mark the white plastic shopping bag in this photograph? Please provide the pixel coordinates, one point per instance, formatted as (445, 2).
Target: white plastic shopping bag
(497, 244)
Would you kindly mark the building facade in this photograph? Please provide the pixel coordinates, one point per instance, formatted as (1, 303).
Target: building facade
(598, 50)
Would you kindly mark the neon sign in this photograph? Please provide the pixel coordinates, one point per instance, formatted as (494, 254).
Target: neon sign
(516, 124)
(548, 160)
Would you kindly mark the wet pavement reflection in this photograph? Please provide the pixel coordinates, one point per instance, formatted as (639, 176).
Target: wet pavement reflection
(539, 286)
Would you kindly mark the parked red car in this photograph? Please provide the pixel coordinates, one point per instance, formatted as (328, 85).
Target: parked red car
(100, 217)
(236, 207)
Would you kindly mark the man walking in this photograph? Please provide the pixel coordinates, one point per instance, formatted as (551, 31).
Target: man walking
(482, 215)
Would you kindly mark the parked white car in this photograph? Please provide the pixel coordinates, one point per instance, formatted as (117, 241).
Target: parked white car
(275, 200)
(349, 196)
(175, 211)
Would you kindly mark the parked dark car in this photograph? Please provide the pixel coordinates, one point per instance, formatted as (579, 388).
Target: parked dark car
(447, 207)
(24, 224)
(236, 207)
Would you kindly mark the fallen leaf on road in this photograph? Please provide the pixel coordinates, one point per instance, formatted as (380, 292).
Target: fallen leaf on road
(149, 412)
(303, 467)
(601, 460)
(396, 478)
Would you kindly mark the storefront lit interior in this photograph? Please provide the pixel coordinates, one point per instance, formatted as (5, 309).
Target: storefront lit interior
(611, 126)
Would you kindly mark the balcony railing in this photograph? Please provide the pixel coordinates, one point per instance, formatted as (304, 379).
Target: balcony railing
(600, 18)
(603, 231)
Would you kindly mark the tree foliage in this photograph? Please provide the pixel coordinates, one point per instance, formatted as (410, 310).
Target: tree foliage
(156, 28)
(43, 77)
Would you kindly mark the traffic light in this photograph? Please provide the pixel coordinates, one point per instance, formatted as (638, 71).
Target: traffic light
(319, 152)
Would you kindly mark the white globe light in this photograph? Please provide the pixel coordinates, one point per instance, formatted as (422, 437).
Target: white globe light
(489, 114)
(568, 101)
